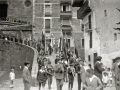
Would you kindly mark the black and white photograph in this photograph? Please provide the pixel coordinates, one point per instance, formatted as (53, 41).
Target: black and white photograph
(59, 44)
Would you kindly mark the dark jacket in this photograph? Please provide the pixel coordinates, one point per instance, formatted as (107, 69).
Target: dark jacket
(50, 70)
(26, 76)
(56, 60)
(98, 69)
(59, 71)
(41, 76)
(70, 75)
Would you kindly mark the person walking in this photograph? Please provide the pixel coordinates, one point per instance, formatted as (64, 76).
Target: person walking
(59, 74)
(65, 65)
(50, 73)
(26, 76)
(71, 74)
(98, 68)
(42, 77)
(78, 71)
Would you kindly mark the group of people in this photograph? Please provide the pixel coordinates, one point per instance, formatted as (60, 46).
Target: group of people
(65, 70)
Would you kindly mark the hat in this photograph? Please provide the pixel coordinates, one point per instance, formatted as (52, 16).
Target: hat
(98, 57)
(26, 62)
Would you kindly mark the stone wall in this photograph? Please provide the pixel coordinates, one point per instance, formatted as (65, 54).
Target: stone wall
(78, 39)
(14, 55)
(18, 10)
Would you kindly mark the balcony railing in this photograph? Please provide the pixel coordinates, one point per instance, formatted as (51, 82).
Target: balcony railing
(47, 1)
(12, 22)
(47, 30)
(77, 3)
(88, 26)
(65, 1)
(66, 27)
(84, 10)
(66, 14)
(47, 14)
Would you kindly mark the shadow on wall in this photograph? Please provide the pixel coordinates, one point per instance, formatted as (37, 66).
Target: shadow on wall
(14, 55)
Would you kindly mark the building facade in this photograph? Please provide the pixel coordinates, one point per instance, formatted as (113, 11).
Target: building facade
(16, 19)
(101, 31)
(55, 19)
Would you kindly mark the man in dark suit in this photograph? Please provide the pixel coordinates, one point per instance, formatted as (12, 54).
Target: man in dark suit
(59, 74)
(98, 68)
(26, 76)
(77, 69)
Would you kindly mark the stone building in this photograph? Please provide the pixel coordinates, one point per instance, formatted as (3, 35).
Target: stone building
(56, 18)
(16, 19)
(99, 19)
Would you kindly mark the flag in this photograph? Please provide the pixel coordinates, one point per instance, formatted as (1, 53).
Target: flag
(76, 52)
(43, 41)
(65, 49)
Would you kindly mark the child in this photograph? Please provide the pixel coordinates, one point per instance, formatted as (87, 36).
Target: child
(71, 74)
(110, 77)
(12, 77)
(105, 78)
(42, 77)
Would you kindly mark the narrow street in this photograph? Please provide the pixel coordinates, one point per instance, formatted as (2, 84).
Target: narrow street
(18, 84)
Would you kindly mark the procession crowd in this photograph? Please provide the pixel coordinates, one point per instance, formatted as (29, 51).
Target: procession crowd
(65, 69)
(89, 77)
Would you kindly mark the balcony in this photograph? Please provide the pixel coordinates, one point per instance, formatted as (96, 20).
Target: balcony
(47, 14)
(65, 2)
(66, 14)
(88, 27)
(47, 1)
(47, 30)
(84, 10)
(77, 3)
(12, 22)
(66, 28)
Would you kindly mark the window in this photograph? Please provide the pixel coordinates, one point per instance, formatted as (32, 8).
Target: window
(95, 55)
(89, 19)
(82, 42)
(89, 58)
(47, 1)
(65, 8)
(90, 39)
(47, 8)
(115, 36)
(105, 12)
(3, 9)
(82, 27)
(47, 23)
